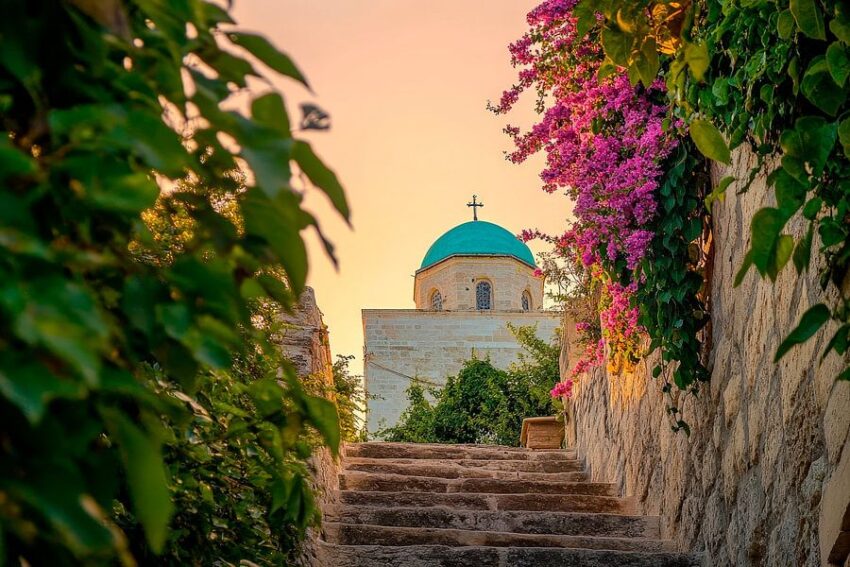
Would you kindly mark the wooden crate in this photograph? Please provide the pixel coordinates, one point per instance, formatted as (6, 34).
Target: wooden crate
(542, 433)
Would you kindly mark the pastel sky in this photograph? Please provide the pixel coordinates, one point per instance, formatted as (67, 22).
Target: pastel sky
(406, 83)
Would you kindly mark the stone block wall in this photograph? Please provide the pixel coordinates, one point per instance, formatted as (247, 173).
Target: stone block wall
(764, 478)
(401, 344)
(455, 279)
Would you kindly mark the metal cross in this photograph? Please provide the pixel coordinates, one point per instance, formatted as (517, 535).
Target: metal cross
(475, 204)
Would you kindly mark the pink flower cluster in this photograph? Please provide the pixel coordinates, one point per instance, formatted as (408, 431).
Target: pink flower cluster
(563, 389)
(604, 141)
(593, 356)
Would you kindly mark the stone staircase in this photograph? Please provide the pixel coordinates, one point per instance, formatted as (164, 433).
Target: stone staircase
(406, 505)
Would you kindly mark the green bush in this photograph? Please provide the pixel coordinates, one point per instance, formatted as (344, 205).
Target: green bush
(483, 404)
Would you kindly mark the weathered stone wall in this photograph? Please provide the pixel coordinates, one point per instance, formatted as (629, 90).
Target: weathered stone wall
(432, 345)
(764, 478)
(455, 279)
(304, 341)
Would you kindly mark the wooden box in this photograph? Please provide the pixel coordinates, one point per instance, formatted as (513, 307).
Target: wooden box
(542, 433)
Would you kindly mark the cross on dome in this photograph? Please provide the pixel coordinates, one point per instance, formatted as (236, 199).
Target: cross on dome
(475, 204)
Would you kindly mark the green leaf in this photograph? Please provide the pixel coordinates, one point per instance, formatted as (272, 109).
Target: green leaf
(803, 251)
(697, 59)
(585, 14)
(270, 111)
(617, 46)
(844, 135)
(262, 49)
(320, 176)
(785, 24)
(840, 24)
(839, 342)
(809, 18)
(146, 477)
(267, 396)
(709, 141)
(844, 375)
(811, 140)
(31, 387)
(831, 232)
(838, 62)
(323, 416)
(784, 248)
(810, 323)
(278, 222)
(790, 193)
(719, 192)
(126, 194)
(812, 208)
(819, 87)
(745, 267)
(765, 228)
(647, 62)
(13, 161)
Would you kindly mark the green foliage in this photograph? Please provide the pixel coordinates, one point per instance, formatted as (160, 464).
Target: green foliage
(142, 409)
(672, 311)
(776, 78)
(483, 404)
(350, 398)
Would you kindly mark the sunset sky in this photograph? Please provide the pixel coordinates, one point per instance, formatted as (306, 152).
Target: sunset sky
(406, 84)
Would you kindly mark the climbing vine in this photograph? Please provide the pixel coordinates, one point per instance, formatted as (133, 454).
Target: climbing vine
(703, 77)
(613, 147)
(774, 76)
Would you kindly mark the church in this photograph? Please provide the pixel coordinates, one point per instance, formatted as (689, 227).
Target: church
(474, 280)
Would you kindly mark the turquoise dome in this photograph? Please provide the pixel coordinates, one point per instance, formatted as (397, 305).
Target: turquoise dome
(477, 238)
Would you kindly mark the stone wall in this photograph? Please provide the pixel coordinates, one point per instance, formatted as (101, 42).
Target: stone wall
(401, 344)
(764, 478)
(455, 279)
(304, 341)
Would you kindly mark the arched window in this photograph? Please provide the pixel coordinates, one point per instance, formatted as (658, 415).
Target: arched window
(483, 296)
(436, 300)
(526, 301)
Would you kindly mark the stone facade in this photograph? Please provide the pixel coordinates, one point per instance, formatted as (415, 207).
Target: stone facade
(455, 279)
(764, 478)
(401, 344)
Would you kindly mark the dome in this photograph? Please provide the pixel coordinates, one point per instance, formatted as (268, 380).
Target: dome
(477, 238)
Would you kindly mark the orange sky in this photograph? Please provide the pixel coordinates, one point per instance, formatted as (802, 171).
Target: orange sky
(406, 84)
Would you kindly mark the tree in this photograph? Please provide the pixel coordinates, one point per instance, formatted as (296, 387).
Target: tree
(136, 390)
(483, 404)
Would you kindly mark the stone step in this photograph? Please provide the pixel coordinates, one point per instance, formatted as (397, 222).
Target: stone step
(448, 469)
(562, 465)
(365, 534)
(352, 480)
(445, 556)
(519, 522)
(384, 450)
(514, 502)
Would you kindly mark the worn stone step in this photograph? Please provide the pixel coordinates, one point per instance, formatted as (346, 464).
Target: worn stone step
(558, 523)
(444, 556)
(384, 450)
(449, 469)
(516, 502)
(365, 534)
(352, 480)
(508, 465)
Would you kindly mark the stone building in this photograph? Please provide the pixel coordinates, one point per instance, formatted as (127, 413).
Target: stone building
(473, 281)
